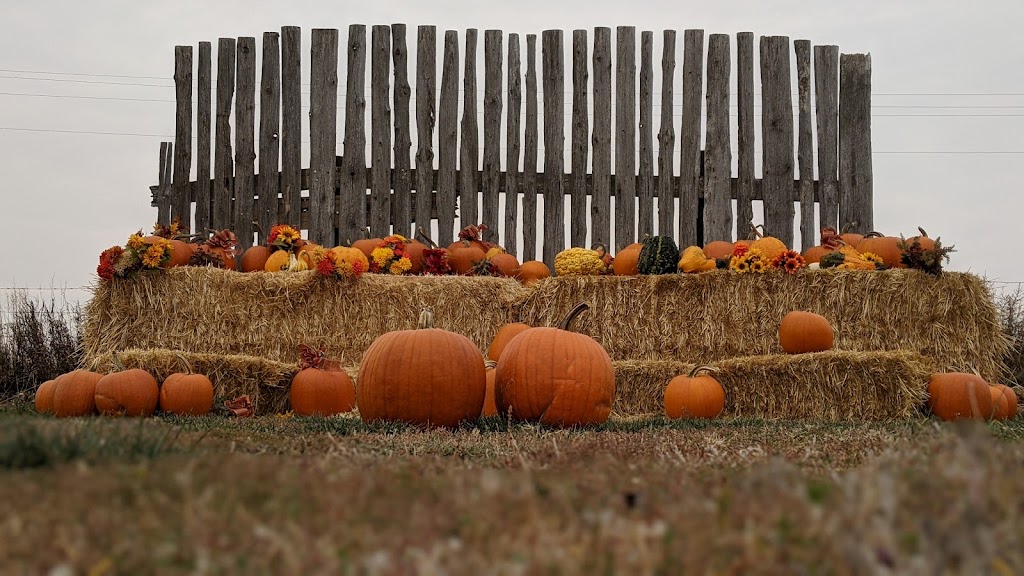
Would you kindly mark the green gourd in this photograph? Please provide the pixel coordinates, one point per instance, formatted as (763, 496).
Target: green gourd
(659, 255)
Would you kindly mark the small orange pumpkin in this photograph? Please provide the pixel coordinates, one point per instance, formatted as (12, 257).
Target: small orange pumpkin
(695, 395)
(505, 335)
(885, 247)
(770, 246)
(505, 265)
(719, 249)
(278, 261)
(320, 388)
(627, 260)
(828, 244)
(74, 393)
(186, 393)
(127, 392)
(802, 332)
(255, 259)
(44, 397)
(367, 245)
(463, 259)
(351, 256)
(533, 271)
(958, 395)
(925, 242)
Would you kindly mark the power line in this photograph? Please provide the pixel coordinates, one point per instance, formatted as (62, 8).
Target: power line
(9, 71)
(78, 97)
(87, 81)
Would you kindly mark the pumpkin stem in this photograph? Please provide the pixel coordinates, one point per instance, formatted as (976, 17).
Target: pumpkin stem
(118, 366)
(754, 234)
(923, 233)
(874, 234)
(181, 358)
(488, 364)
(427, 240)
(576, 311)
(698, 369)
(846, 227)
(426, 319)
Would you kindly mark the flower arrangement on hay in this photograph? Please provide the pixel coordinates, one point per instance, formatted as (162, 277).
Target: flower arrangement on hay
(923, 253)
(139, 254)
(341, 262)
(389, 257)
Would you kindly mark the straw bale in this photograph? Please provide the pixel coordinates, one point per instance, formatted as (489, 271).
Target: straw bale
(718, 315)
(213, 311)
(831, 386)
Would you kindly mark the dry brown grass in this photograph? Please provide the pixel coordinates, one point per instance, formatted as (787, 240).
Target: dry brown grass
(331, 496)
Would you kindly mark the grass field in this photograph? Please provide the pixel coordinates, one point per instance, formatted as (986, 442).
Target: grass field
(646, 496)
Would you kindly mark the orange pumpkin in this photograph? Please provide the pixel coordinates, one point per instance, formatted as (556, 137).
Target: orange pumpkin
(463, 259)
(255, 259)
(44, 397)
(320, 388)
(770, 246)
(367, 245)
(351, 256)
(533, 271)
(957, 395)
(414, 251)
(802, 332)
(74, 393)
(505, 265)
(505, 335)
(186, 393)
(1004, 402)
(439, 381)
(490, 408)
(850, 238)
(127, 392)
(180, 251)
(925, 242)
(278, 261)
(719, 249)
(627, 260)
(828, 244)
(694, 396)
(555, 377)
(885, 247)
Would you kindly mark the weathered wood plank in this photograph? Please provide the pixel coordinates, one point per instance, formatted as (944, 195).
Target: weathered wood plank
(426, 86)
(351, 212)
(515, 97)
(580, 134)
(162, 194)
(469, 152)
(856, 193)
(492, 132)
(268, 185)
(745, 132)
(689, 137)
(448, 139)
(777, 137)
(401, 202)
(826, 97)
(181, 207)
(805, 144)
(600, 201)
(530, 153)
(645, 182)
(323, 120)
(245, 141)
(718, 156)
(380, 131)
(667, 138)
(625, 136)
(291, 125)
(554, 141)
(223, 164)
(204, 102)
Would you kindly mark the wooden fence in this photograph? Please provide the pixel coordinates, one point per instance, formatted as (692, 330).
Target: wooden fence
(347, 193)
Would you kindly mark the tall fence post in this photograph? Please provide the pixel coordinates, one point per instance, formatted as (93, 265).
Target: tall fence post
(245, 150)
(777, 137)
(554, 140)
(181, 205)
(855, 171)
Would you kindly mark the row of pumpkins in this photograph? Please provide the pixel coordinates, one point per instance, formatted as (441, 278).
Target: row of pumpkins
(549, 375)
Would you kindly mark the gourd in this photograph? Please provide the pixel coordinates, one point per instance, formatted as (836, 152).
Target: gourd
(659, 255)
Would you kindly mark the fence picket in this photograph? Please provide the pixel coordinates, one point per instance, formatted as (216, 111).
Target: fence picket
(426, 72)
(667, 138)
(223, 164)
(351, 213)
(448, 139)
(401, 202)
(580, 129)
(203, 108)
(380, 131)
(490, 182)
(805, 144)
(718, 157)
(245, 142)
(689, 138)
(469, 152)
(600, 201)
(290, 210)
(323, 119)
(826, 100)
(515, 97)
(554, 140)
(530, 153)
(745, 132)
(268, 183)
(645, 180)
(180, 206)
(625, 136)
(777, 137)
(855, 172)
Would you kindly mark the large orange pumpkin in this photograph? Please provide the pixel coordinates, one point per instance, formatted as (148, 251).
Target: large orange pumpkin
(555, 377)
(74, 393)
(505, 335)
(366, 245)
(320, 388)
(351, 256)
(886, 247)
(533, 271)
(414, 251)
(957, 395)
(802, 332)
(829, 243)
(186, 393)
(44, 397)
(695, 395)
(255, 259)
(427, 376)
(127, 392)
(770, 246)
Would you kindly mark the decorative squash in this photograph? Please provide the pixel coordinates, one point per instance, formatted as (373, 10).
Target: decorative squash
(440, 380)
(255, 259)
(886, 247)
(127, 392)
(533, 271)
(659, 255)
(719, 249)
(958, 395)
(602, 253)
(44, 397)
(694, 396)
(627, 260)
(74, 393)
(693, 260)
(505, 335)
(578, 262)
(279, 261)
(505, 264)
(320, 388)
(490, 408)
(555, 377)
(186, 393)
(1004, 402)
(770, 246)
(802, 332)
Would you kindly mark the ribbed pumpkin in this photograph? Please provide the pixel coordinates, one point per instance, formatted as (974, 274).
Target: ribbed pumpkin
(627, 260)
(427, 376)
(1004, 402)
(533, 271)
(255, 259)
(770, 246)
(886, 247)
(74, 393)
(490, 408)
(719, 249)
(958, 395)
(186, 393)
(505, 265)
(320, 388)
(695, 395)
(802, 332)
(659, 255)
(555, 377)
(44, 397)
(127, 392)
(505, 335)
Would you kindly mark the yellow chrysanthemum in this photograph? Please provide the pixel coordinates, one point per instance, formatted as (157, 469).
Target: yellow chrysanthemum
(381, 256)
(135, 242)
(319, 253)
(152, 256)
(404, 263)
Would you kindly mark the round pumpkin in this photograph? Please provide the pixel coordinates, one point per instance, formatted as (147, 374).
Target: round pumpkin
(925, 242)
(255, 259)
(958, 395)
(555, 377)
(802, 332)
(279, 261)
(463, 259)
(186, 393)
(74, 393)
(490, 408)
(367, 245)
(506, 265)
(533, 271)
(318, 392)
(414, 251)
(439, 380)
(1004, 402)
(351, 256)
(719, 249)
(885, 247)
(44, 397)
(127, 393)
(505, 335)
(770, 246)
(695, 395)
(627, 260)
(180, 251)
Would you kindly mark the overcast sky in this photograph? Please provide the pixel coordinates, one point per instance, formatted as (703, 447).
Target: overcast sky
(948, 104)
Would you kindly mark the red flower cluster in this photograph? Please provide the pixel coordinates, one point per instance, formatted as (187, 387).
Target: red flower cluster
(108, 258)
(435, 261)
(790, 261)
(740, 250)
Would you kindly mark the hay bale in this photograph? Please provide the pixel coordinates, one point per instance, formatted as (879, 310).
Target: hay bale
(718, 315)
(833, 386)
(212, 311)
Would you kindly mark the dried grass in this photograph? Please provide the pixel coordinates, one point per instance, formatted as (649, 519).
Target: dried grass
(715, 316)
(830, 386)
